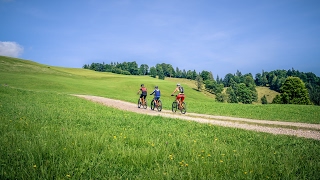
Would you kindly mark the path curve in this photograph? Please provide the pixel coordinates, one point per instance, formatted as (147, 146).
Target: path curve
(274, 127)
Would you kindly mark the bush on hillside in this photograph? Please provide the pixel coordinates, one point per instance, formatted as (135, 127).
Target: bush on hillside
(264, 100)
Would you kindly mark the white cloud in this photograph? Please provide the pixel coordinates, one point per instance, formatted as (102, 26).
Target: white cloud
(11, 49)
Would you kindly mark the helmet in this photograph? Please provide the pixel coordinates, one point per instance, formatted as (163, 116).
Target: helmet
(178, 84)
(156, 87)
(142, 85)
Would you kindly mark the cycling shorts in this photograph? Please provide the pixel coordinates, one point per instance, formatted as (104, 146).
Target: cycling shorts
(143, 96)
(156, 98)
(180, 96)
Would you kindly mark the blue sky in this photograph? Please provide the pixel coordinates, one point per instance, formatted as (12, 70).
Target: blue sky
(221, 36)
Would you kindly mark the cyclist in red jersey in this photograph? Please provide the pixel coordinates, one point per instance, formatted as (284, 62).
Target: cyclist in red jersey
(143, 94)
(180, 95)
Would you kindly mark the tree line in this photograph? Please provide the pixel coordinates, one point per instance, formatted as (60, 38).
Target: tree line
(239, 87)
(131, 68)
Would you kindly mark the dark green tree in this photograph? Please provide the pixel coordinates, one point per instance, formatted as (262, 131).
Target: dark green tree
(184, 73)
(133, 68)
(264, 99)
(227, 79)
(153, 72)
(277, 100)
(232, 97)
(221, 97)
(294, 91)
(213, 87)
(178, 73)
(199, 82)
(314, 92)
(160, 72)
(189, 74)
(244, 94)
(206, 75)
(194, 74)
(248, 80)
(258, 79)
(144, 69)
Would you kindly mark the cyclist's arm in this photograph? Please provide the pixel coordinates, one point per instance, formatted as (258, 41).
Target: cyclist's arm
(175, 90)
(153, 92)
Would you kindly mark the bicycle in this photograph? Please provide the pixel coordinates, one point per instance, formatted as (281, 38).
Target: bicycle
(181, 106)
(154, 104)
(143, 104)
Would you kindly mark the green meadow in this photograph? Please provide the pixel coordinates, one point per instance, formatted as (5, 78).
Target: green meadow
(46, 133)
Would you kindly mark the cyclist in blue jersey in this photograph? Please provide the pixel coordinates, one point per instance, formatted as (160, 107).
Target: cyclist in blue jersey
(157, 94)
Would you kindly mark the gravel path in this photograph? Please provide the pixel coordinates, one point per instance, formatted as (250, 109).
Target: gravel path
(274, 127)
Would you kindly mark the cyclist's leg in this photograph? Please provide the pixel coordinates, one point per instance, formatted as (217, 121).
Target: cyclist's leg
(182, 98)
(144, 99)
(179, 100)
(141, 98)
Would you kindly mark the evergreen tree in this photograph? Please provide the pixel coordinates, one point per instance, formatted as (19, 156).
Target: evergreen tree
(184, 73)
(178, 73)
(227, 79)
(264, 99)
(232, 97)
(199, 82)
(194, 74)
(218, 79)
(258, 79)
(189, 74)
(277, 100)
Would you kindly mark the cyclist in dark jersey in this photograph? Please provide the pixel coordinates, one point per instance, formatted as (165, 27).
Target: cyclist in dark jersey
(143, 94)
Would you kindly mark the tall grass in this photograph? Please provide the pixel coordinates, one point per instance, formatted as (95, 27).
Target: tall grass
(47, 135)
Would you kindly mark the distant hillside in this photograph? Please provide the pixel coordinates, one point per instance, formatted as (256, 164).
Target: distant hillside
(270, 94)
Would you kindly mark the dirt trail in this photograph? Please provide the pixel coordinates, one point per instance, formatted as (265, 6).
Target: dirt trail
(274, 127)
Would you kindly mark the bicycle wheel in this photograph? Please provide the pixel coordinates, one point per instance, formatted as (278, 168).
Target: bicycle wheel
(174, 106)
(139, 103)
(159, 107)
(183, 108)
(145, 105)
(152, 105)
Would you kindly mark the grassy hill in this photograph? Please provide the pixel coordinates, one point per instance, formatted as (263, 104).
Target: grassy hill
(270, 94)
(28, 75)
(48, 134)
